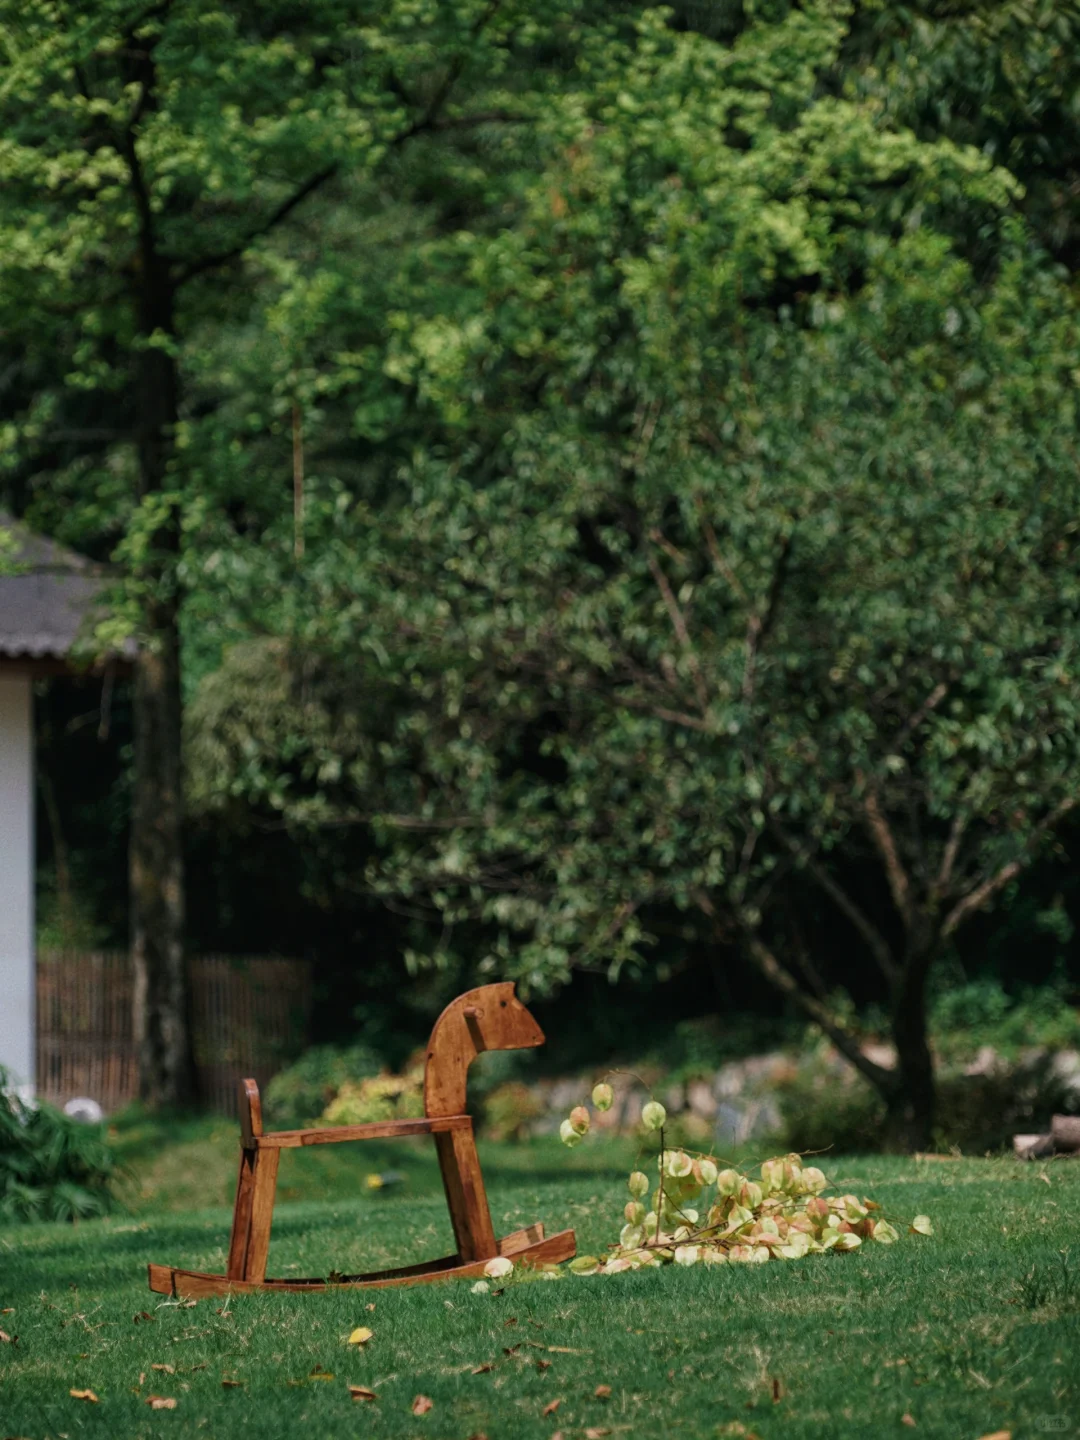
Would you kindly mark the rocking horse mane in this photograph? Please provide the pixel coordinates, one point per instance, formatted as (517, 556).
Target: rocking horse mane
(491, 1017)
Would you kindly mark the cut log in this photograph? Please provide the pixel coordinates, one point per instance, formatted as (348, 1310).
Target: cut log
(1065, 1132)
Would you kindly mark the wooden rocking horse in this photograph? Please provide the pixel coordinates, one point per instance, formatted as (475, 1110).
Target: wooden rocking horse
(488, 1018)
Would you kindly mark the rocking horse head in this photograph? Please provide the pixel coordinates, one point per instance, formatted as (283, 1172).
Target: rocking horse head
(490, 1017)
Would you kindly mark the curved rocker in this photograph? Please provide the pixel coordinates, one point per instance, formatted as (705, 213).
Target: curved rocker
(490, 1017)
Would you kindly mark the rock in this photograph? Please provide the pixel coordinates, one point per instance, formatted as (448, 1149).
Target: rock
(1065, 1069)
(987, 1062)
(1032, 1147)
(736, 1124)
(700, 1098)
(883, 1055)
(565, 1094)
(1065, 1132)
(82, 1108)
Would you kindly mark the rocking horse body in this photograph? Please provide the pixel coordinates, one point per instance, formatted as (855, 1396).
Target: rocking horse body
(488, 1018)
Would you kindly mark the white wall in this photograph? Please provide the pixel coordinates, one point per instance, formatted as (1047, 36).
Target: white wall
(17, 876)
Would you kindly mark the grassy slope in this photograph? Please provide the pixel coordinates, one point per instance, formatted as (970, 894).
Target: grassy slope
(973, 1331)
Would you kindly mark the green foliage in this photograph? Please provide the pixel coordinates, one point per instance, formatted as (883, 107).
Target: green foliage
(966, 1017)
(51, 1167)
(658, 495)
(300, 1093)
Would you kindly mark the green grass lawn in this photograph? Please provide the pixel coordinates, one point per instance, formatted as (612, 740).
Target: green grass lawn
(973, 1331)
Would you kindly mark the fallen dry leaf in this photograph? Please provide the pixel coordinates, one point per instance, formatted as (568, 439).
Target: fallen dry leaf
(361, 1335)
(140, 1317)
(602, 1392)
(84, 1395)
(227, 1383)
(478, 1436)
(483, 1369)
(360, 1392)
(551, 1407)
(511, 1321)
(318, 1373)
(370, 1305)
(998, 1435)
(907, 1419)
(595, 1432)
(777, 1391)
(8, 1310)
(422, 1404)
(161, 1402)
(6, 1339)
(543, 1365)
(169, 1369)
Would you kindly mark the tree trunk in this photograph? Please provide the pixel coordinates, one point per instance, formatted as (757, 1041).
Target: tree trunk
(911, 1104)
(157, 864)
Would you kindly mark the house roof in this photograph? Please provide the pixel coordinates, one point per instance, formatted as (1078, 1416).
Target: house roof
(49, 601)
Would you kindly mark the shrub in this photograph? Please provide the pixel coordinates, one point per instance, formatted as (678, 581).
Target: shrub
(51, 1167)
(509, 1110)
(299, 1094)
(967, 1017)
(379, 1097)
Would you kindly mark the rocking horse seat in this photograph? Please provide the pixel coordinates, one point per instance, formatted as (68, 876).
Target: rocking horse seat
(488, 1018)
(375, 1130)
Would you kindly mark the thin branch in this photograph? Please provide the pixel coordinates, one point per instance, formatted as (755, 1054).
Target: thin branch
(952, 848)
(932, 701)
(428, 120)
(622, 915)
(678, 623)
(875, 941)
(882, 836)
(720, 564)
(482, 117)
(844, 1041)
(785, 982)
(806, 963)
(760, 624)
(287, 206)
(976, 898)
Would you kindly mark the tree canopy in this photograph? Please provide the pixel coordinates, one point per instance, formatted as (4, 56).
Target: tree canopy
(621, 460)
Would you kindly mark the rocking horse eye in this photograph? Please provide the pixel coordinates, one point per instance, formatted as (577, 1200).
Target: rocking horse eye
(503, 1004)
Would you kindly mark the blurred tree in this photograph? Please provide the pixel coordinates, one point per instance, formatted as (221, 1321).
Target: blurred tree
(742, 535)
(148, 150)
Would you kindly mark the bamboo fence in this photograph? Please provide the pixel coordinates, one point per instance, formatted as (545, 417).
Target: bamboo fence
(248, 1017)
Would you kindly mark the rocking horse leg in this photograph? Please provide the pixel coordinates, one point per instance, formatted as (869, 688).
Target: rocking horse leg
(255, 1187)
(241, 1225)
(262, 1213)
(465, 1195)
